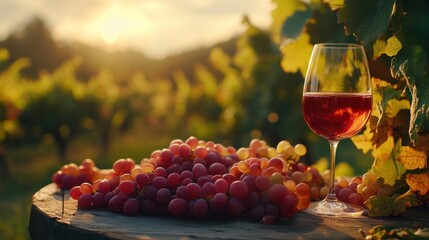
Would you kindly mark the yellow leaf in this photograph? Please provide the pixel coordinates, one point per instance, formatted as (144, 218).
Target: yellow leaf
(390, 169)
(335, 4)
(363, 142)
(284, 9)
(296, 54)
(376, 96)
(419, 182)
(381, 154)
(4, 54)
(394, 106)
(379, 48)
(412, 158)
(393, 46)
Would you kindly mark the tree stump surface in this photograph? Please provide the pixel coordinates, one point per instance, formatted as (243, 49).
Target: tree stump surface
(56, 216)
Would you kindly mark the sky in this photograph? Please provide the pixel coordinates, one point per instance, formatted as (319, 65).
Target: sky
(157, 28)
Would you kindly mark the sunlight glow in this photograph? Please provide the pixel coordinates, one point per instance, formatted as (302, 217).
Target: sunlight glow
(157, 28)
(116, 23)
(111, 31)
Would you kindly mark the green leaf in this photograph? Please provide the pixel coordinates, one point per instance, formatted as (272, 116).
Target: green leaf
(281, 12)
(380, 206)
(384, 206)
(388, 93)
(390, 169)
(411, 63)
(294, 24)
(389, 232)
(367, 20)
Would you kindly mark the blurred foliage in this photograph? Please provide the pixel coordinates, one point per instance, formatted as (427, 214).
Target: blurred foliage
(227, 96)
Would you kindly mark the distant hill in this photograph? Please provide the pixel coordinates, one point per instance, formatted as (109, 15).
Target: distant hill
(35, 42)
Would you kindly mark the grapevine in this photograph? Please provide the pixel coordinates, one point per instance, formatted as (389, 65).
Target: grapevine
(396, 45)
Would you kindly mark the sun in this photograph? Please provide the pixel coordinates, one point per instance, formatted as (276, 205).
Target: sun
(111, 30)
(115, 23)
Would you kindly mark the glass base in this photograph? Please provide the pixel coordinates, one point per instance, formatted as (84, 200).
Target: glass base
(335, 208)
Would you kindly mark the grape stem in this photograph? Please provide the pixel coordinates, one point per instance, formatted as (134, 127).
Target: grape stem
(333, 150)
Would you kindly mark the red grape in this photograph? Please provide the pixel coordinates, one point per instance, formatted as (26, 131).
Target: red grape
(159, 182)
(177, 206)
(200, 208)
(217, 168)
(131, 207)
(75, 192)
(193, 190)
(263, 183)
(85, 200)
(302, 190)
(98, 200)
(239, 189)
(277, 192)
(199, 170)
(127, 186)
(173, 180)
(117, 202)
(163, 195)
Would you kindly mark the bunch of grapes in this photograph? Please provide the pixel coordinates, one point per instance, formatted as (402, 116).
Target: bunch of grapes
(358, 189)
(71, 174)
(197, 179)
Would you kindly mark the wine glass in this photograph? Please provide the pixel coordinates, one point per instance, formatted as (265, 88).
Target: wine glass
(337, 103)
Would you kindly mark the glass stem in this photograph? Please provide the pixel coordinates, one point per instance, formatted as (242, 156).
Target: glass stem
(333, 150)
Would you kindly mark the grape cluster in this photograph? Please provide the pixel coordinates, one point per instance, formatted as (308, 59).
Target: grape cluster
(71, 174)
(197, 179)
(359, 188)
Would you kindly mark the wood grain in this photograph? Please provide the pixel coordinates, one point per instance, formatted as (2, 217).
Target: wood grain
(49, 221)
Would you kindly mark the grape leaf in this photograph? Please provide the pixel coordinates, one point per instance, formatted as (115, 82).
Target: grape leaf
(367, 20)
(422, 232)
(394, 106)
(380, 206)
(378, 49)
(423, 143)
(382, 152)
(412, 158)
(390, 47)
(411, 63)
(296, 54)
(387, 94)
(390, 169)
(418, 182)
(335, 4)
(384, 206)
(387, 232)
(294, 24)
(363, 141)
(393, 46)
(281, 12)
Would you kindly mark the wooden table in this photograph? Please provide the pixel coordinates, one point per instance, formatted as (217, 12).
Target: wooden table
(48, 221)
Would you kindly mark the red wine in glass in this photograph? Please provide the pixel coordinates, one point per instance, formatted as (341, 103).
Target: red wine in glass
(337, 103)
(336, 115)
